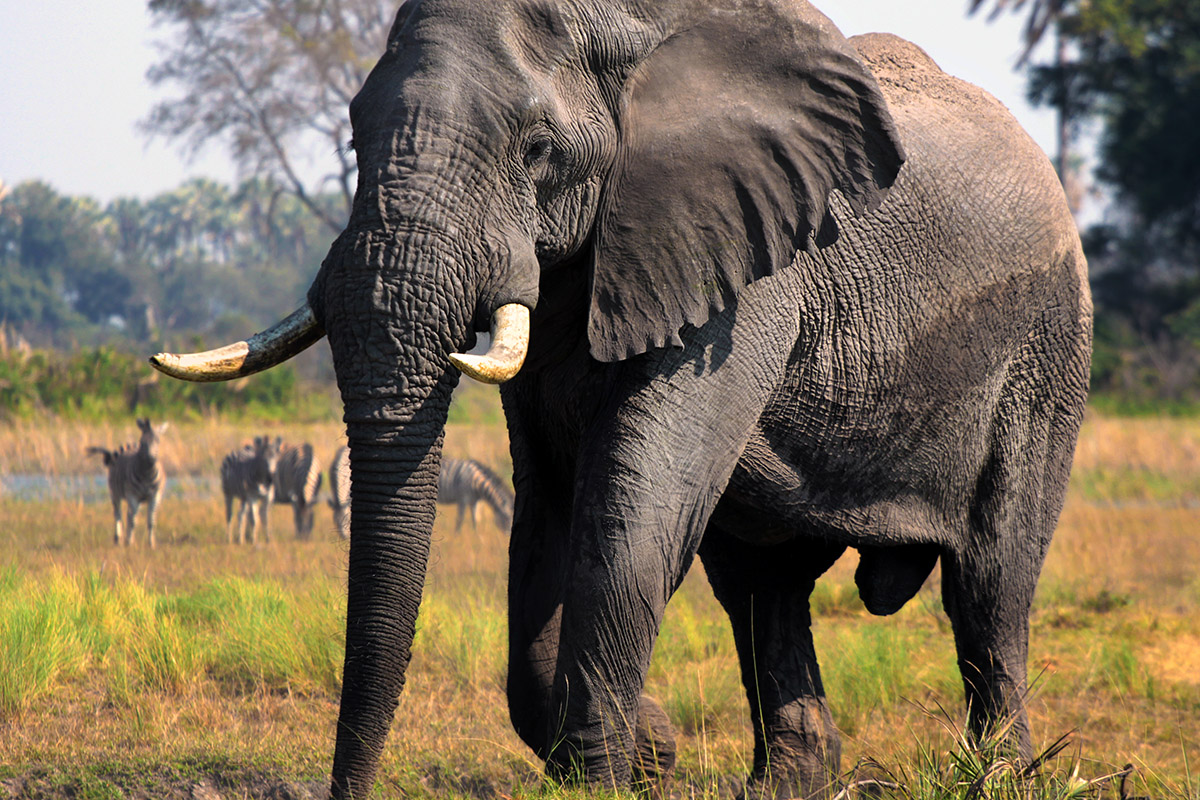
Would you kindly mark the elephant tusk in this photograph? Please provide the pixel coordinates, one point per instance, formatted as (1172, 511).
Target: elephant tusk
(510, 342)
(264, 350)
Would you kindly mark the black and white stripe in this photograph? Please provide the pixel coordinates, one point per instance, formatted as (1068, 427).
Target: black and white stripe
(248, 475)
(135, 476)
(467, 483)
(297, 483)
(339, 490)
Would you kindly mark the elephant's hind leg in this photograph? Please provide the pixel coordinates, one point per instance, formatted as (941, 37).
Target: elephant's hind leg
(765, 591)
(988, 580)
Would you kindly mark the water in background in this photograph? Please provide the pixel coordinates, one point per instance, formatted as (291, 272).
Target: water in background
(94, 488)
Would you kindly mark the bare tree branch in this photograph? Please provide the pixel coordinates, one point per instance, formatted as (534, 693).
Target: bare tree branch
(270, 80)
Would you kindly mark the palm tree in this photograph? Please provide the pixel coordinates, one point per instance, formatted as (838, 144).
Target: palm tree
(1041, 14)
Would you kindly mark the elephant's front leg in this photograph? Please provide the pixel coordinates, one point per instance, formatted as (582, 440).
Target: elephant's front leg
(538, 558)
(540, 553)
(631, 548)
(649, 475)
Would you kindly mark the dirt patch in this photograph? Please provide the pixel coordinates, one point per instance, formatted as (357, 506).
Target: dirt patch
(167, 785)
(1175, 660)
(175, 784)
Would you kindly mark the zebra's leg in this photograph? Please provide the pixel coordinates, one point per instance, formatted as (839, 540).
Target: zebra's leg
(229, 518)
(462, 514)
(243, 510)
(151, 515)
(130, 519)
(310, 514)
(474, 517)
(252, 523)
(266, 507)
(116, 504)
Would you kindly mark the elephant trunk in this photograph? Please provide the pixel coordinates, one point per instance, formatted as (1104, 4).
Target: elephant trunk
(393, 495)
(389, 332)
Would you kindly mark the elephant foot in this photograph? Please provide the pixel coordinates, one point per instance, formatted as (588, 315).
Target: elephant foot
(654, 749)
(644, 760)
(800, 784)
(804, 754)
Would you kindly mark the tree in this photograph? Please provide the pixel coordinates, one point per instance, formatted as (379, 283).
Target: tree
(1137, 71)
(183, 263)
(55, 272)
(1042, 13)
(272, 80)
(1133, 66)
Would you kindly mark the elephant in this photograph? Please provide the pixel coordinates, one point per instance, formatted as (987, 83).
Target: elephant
(757, 293)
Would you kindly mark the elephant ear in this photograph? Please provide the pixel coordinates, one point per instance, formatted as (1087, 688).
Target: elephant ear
(733, 132)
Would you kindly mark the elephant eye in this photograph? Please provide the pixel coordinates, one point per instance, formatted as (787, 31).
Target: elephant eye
(537, 152)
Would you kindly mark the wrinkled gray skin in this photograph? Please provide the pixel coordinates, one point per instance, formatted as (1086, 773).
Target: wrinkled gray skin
(781, 310)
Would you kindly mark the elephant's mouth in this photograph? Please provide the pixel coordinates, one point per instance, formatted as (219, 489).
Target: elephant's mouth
(300, 330)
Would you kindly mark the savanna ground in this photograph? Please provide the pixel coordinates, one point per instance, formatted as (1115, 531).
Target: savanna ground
(203, 670)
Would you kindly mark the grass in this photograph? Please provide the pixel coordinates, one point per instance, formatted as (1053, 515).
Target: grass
(201, 662)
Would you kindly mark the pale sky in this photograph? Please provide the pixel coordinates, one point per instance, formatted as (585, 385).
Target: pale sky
(73, 86)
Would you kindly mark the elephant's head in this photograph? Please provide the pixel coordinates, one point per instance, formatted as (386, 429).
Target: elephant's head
(672, 151)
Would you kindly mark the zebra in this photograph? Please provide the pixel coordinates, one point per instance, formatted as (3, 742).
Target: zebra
(248, 475)
(135, 476)
(463, 482)
(297, 483)
(467, 483)
(339, 490)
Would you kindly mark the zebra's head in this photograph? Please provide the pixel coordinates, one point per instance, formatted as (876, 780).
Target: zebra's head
(151, 434)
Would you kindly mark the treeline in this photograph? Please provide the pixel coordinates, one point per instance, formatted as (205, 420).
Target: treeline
(205, 262)
(88, 291)
(99, 383)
